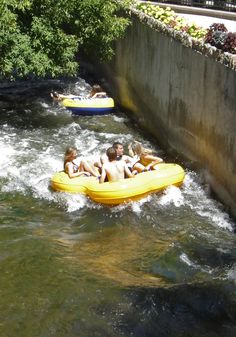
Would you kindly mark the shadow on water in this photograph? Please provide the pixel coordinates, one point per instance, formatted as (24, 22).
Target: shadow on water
(187, 310)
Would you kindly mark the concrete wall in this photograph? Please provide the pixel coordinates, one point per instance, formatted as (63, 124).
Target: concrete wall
(183, 98)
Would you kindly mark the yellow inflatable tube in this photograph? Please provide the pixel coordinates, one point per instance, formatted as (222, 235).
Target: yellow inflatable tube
(124, 190)
(92, 106)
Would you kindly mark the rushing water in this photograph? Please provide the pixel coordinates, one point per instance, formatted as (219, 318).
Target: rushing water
(163, 266)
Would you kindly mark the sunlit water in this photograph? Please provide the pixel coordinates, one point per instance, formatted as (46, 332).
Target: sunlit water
(163, 266)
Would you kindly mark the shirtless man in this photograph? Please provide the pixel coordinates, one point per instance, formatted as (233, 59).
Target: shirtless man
(119, 154)
(113, 169)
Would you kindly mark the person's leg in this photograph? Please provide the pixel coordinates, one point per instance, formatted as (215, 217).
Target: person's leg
(98, 165)
(85, 166)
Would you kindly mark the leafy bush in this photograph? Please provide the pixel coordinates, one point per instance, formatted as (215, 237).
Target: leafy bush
(216, 35)
(219, 37)
(230, 43)
(217, 27)
(168, 17)
(43, 38)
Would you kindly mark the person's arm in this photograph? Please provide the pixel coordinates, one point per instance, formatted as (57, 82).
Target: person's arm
(128, 172)
(131, 152)
(104, 159)
(99, 94)
(103, 175)
(71, 173)
(153, 159)
(128, 159)
(98, 164)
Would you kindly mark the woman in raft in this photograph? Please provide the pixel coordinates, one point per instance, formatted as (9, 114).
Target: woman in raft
(75, 168)
(144, 160)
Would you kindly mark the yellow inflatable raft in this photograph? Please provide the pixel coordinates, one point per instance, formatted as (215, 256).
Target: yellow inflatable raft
(87, 107)
(124, 190)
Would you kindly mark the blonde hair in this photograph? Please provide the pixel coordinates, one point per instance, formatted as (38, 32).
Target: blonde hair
(69, 152)
(136, 148)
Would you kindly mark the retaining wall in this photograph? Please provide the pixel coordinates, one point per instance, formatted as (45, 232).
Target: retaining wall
(183, 98)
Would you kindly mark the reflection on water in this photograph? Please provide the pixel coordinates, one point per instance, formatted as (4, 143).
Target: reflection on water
(116, 254)
(163, 266)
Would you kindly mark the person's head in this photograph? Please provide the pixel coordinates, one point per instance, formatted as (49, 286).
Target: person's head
(137, 148)
(111, 153)
(70, 154)
(96, 88)
(119, 148)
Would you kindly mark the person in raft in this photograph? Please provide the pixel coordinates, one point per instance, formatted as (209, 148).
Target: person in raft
(114, 170)
(144, 160)
(59, 97)
(75, 168)
(96, 92)
(119, 154)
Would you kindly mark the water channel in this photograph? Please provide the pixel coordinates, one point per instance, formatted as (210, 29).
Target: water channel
(163, 266)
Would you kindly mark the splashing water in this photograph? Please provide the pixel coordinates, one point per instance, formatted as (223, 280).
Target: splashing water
(83, 264)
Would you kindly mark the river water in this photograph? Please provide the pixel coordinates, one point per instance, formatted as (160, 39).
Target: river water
(163, 266)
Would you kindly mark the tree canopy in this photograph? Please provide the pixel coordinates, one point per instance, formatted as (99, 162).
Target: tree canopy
(42, 38)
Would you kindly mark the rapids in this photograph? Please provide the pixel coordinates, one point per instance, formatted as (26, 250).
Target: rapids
(163, 266)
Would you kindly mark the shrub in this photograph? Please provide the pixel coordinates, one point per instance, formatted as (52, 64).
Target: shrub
(171, 19)
(219, 37)
(216, 35)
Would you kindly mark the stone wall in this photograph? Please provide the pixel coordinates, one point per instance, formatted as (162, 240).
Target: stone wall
(186, 99)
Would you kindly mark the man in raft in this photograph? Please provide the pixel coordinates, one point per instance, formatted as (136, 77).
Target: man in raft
(114, 169)
(119, 148)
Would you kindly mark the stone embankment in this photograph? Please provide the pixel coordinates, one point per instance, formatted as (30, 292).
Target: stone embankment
(183, 92)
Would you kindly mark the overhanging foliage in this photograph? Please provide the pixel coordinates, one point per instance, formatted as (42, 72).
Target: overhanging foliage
(41, 38)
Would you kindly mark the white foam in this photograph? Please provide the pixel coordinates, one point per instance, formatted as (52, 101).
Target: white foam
(75, 202)
(185, 259)
(198, 199)
(172, 195)
(44, 105)
(231, 274)
(205, 269)
(119, 119)
(6, 153)
(135, 206)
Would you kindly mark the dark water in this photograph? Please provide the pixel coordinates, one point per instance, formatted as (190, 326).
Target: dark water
(163, 266)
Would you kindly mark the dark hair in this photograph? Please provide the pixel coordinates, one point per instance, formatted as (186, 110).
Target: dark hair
(116, 144)
(111, 153)
(96, 88)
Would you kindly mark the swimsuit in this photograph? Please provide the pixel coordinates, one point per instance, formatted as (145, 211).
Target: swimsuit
(75, 167)
(135, 160)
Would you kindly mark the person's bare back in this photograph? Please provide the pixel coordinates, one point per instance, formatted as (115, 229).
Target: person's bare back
(114, 170)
